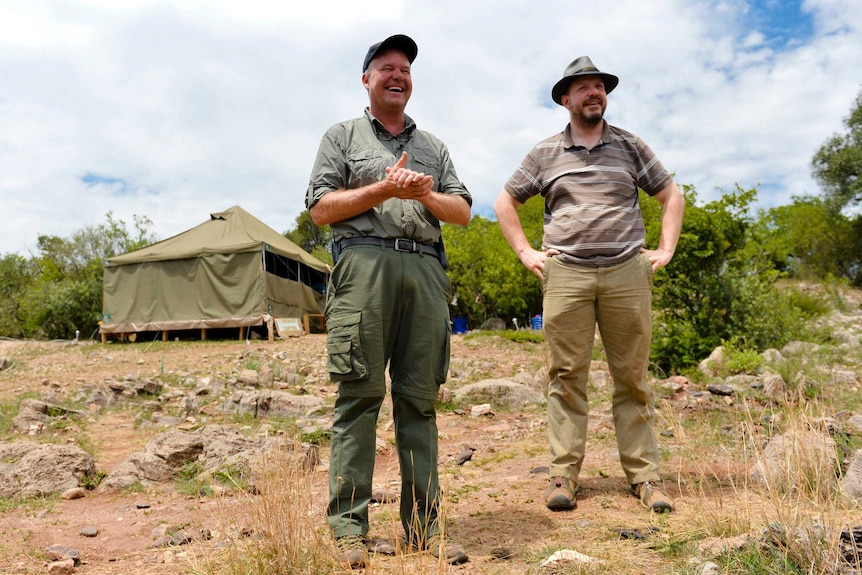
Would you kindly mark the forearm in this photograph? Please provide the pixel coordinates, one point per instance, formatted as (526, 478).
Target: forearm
(448, 208)
(340, 205)
(671, 221)
(506, 209)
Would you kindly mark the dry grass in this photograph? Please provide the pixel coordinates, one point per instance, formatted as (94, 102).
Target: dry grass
(271, 529)
(746, 517)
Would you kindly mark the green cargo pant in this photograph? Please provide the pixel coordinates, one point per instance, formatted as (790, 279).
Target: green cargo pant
(386, 308)
(618, 299)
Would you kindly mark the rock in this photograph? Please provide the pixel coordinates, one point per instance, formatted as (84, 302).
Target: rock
(772, 356)
(855, 423)
(60, 553)
(265, 375)
(798, 460)
(712, 365)
(161, 458)
(465, 456)
(850, 547)
(480, 410)
(182, 537)
(799, 348)
(708, 568)
(32, 415)
(42, 469)
(89, 531)
(600, 377)
(846, 338)
(494, 324)
(74, 493)
(208, 386)
(537, 381)
(851, 483)
(844, 377)
(500, 393)
(271, 403)
(568, 556)
(721, 390)
(383, 496)
(715, 546)
(64, 567)
(635, 533)
(248, 377)
(214, 447)
(774, 386)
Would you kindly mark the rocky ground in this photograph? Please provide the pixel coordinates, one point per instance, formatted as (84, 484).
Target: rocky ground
(491, 457)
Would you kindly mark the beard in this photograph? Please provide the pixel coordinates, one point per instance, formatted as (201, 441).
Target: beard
(588, 119)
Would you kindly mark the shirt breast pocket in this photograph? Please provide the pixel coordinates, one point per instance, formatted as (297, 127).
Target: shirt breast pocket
(366, 167)
(427, 163)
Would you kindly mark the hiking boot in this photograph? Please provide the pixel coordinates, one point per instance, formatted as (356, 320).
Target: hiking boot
(381, 547)
(351, 550)
(560, 496)
(652, 497)
(454, 554)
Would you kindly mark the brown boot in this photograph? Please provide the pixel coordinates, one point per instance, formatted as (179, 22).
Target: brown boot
(351, 550)
(652, 497)
(453, 553)
(560, 496)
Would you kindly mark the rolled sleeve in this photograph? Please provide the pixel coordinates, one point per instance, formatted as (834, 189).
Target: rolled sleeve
(330, 169)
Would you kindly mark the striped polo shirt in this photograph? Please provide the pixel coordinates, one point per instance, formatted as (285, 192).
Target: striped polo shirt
(592, 215)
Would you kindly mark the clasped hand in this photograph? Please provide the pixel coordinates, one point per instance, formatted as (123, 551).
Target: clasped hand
(409, 184)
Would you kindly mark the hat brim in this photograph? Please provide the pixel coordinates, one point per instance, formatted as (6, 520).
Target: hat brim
(562, 86)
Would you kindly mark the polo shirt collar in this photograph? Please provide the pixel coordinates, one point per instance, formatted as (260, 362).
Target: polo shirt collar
(567, 135)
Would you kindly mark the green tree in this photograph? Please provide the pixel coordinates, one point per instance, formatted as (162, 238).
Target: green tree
(720, 285)
(316, 240)
(65, 293)
(487, 277)
(837, 165)
(809, 240)
(16, 275)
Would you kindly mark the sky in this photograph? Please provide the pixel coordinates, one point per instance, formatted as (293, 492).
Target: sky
(176, 109)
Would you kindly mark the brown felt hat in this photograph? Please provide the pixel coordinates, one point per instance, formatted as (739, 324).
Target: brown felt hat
(582, 66)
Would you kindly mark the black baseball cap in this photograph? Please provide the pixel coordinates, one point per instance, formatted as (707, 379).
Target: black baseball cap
(398, 42)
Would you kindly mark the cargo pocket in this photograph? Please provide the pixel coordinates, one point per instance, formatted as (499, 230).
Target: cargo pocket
(344, 347)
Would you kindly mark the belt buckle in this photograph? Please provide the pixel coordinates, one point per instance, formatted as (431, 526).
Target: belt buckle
(411, 245)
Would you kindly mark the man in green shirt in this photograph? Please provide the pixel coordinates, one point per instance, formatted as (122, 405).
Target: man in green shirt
(384, 186)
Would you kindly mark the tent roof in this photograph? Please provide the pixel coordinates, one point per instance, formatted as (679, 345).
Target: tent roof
(232, 231)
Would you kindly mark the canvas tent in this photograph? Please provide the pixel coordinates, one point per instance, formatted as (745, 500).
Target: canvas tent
(230, 271)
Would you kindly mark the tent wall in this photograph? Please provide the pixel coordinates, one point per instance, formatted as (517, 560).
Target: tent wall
(288, 298)
(223, 290)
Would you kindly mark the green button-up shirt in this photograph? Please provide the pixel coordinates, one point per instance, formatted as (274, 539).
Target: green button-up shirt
(356, 153)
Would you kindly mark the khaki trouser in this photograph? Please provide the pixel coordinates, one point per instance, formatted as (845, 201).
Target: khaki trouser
(386, 308)
(618, 299)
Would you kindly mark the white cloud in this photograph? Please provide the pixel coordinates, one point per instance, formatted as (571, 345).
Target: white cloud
(198, 105)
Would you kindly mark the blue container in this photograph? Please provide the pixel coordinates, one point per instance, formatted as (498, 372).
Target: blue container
(459, 324)
(536, 322)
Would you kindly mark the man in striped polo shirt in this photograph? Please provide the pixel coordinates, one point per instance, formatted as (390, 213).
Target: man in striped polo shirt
(595, 269)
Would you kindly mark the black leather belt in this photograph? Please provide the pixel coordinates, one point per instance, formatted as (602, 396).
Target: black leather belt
(397, 244)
